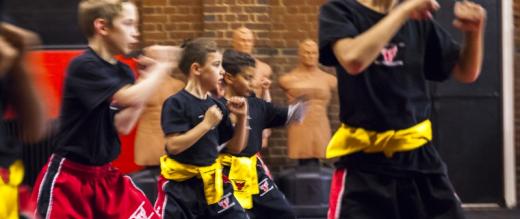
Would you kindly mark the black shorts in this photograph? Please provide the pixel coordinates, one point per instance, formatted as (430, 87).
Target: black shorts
(270, 202)
(358, 194)
(186, 200)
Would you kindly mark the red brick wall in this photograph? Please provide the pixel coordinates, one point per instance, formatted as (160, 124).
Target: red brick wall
(279, 25)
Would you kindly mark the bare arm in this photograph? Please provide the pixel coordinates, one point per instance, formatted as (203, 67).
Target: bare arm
(238, 106)
(126, 119)
(470, 18)
(159, 62)
(21, 92)
(356, 54)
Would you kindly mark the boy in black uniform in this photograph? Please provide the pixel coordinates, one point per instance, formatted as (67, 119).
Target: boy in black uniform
(195, 124)
(253, 185)
(384, 52)
(100, 100)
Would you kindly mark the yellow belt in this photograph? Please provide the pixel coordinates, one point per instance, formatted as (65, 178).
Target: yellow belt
(211, 176)
(243, 177)
(10, 179)
(348, 140)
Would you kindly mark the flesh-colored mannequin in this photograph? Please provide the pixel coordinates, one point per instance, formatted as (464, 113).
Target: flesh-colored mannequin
(309, 139)
(149, 141)
(244, 41)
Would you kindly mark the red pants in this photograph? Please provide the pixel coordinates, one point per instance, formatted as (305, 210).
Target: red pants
(65, 189)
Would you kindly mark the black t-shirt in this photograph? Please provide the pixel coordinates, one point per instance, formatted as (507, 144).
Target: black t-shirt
(10, 149)
(392, 92)
(87, 132)
(181, 113)
(262, 115)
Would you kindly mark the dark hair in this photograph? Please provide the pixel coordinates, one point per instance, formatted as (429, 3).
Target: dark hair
(196, 51)
(234, 61)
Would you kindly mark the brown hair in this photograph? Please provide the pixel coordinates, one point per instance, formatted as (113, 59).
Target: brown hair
(196, 51)
(90, 10)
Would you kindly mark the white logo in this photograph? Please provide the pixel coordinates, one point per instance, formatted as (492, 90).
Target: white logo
(140, 213)
(389, 53)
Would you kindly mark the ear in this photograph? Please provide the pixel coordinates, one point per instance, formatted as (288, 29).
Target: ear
(101, 26)
(228, 78)
(195, 69)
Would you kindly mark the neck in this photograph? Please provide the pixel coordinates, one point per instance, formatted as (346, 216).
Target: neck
(195, 88)
(306, 68)
(229, 93)
(99, 46)
(382, 6)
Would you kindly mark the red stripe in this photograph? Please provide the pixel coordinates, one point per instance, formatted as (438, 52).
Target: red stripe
(336, 193)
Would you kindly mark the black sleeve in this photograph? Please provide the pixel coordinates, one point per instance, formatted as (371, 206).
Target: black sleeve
(92, 85)
(334, 24)
(173, 117)
(274, 116)
(441, 55)
(225, 127)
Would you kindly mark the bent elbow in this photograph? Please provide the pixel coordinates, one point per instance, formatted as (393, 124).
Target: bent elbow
(352, 65)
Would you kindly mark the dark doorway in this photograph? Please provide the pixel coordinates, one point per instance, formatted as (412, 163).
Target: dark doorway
(468, 118)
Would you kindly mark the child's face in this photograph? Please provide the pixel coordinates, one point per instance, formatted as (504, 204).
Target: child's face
(123, 34)
(211, 73)
(242, 82)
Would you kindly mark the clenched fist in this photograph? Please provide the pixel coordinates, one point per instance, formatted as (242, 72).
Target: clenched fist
(469, 16)
(213, 116)
(237, 106)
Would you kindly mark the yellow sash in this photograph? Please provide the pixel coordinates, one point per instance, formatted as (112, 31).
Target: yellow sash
(9, 190)
(243, 177)
(348, 140)
(211, 176)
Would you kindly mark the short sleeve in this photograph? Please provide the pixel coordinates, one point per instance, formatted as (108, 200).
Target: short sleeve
(93, 84)
(173, 117)
(274, 116)
(334, 24)
(441, 54)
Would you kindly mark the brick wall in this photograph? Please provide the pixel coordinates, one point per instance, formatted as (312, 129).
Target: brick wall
(279, 25)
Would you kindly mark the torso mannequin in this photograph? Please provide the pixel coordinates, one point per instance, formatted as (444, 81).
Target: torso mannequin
(149, 141)
(309, 139)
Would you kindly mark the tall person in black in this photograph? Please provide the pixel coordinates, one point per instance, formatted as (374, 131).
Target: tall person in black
(101, 99)
(18, 91)
(384, 52)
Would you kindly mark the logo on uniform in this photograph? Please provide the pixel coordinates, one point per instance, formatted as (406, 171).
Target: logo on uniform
(225, 203)
(265, 187)
(389, 54)
(239, 184)
(4, 174)
(140, 213)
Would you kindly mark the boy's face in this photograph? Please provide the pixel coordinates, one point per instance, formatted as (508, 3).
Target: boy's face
(211, 72)
(241, 84)
(123, 34)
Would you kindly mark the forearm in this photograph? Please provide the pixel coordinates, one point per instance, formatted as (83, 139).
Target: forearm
(28, 107)
(178, 143)
(126, 119)
(469, 64)
(356, 54)
(239, 140)
(139, 93)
